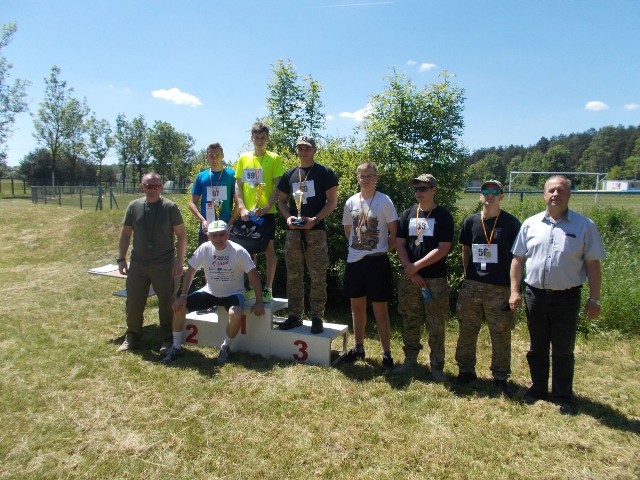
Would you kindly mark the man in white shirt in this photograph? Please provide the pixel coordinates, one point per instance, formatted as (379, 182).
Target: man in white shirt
(225, 264)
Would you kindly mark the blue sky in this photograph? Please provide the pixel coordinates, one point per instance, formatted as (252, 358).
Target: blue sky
(528, 68)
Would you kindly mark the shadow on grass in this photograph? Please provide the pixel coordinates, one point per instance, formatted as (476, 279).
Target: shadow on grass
(148, 349)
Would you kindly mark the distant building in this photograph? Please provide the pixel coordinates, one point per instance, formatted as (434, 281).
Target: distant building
(620, 185)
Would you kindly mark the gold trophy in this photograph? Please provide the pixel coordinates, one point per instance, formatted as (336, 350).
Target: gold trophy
(259, 189)
(252, 214)
(217, 206)
(298, 196)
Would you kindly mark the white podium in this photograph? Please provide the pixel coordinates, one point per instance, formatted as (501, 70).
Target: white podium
(258, 336)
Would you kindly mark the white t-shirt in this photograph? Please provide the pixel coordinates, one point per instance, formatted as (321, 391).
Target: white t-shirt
(224, 269)
(368, 219)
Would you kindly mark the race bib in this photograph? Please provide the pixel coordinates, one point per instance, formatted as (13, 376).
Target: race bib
(308, 188)
(252, 175)
(483, 253)
(426, 225)
(217, 193)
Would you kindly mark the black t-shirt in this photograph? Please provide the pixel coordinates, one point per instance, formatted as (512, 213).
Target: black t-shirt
(505, 232)
(319, 179)
(441, 222)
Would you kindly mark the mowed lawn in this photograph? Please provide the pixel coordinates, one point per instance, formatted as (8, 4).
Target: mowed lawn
(73, 408)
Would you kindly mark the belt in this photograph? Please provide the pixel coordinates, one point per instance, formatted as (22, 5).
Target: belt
(554, 292)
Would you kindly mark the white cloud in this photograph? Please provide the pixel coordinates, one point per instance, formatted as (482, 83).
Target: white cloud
(329, 118)
(596, 106)
(358, 115)
(631, 106)
(175, 95)
(411, 63)
(425, 67)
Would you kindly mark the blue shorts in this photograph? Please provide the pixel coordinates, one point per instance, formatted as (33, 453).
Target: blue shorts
(371, 277)
(200, 300)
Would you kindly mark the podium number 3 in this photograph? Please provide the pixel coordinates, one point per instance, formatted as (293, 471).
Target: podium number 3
(302, 349)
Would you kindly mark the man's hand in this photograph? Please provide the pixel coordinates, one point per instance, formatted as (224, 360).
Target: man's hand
(591, 309)
(180, 303)
(417, 280)
(258, 308)
(515, 300)
(123, 268)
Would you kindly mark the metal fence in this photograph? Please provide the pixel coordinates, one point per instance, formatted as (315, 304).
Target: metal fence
(92, 196)
(119, 197)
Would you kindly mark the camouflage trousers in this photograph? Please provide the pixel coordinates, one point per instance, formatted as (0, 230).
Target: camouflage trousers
(412, 308)
(306, 247)
(474, 299)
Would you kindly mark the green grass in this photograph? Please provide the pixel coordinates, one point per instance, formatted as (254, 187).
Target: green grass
(73, 408)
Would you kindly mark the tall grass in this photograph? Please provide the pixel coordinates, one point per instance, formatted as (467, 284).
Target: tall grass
(72, 408)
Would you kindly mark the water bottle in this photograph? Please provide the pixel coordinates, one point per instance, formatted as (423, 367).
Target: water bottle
(426, 294)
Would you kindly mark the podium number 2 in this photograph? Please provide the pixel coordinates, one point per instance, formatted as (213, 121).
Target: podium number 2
(303, 355)
(192, 337)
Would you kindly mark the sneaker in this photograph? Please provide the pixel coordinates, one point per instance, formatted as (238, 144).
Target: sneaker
(438, 375)
(353, 355)
(316, 325)
(128, 344)
(387, 360)
(166, 346)
(465, 378)
(223, 356)
(507, 390)
(172, 355)
(291, 322)
(267, 295)
(249, 295)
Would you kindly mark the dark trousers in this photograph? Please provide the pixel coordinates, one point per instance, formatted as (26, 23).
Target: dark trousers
(552, 318)
(139, 278)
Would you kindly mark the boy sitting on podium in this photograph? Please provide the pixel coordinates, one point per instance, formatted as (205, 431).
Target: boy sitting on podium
(225, 264)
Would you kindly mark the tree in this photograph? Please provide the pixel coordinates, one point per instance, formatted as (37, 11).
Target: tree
(413, 130)
(99, 143)
(489, 167)
(283, 104)
(313, 119)
(132, 144)
(12, 95)
(172, 151)
(294, 108)
(59, 119)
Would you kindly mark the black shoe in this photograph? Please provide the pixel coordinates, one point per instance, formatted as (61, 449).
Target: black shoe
(387, 361)
(507, 390)
(353, 355)
(568, 408)
(316, 325)
(465, 378)
(532, 396)
(291, 322)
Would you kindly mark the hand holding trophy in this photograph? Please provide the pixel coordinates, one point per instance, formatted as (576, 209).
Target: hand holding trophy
(298, 196)
(252, 214)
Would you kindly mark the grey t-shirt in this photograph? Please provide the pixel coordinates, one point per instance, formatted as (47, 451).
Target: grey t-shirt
(153, 237)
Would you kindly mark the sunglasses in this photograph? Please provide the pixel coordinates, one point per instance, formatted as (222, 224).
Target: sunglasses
(152, 186)
(422, 189)
(492, 191)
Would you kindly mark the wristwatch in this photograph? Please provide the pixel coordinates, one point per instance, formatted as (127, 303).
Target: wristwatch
(593, 300)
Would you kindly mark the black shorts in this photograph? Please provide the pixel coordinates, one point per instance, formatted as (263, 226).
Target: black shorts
(371, 277)
(270, 225)
(200, 300)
